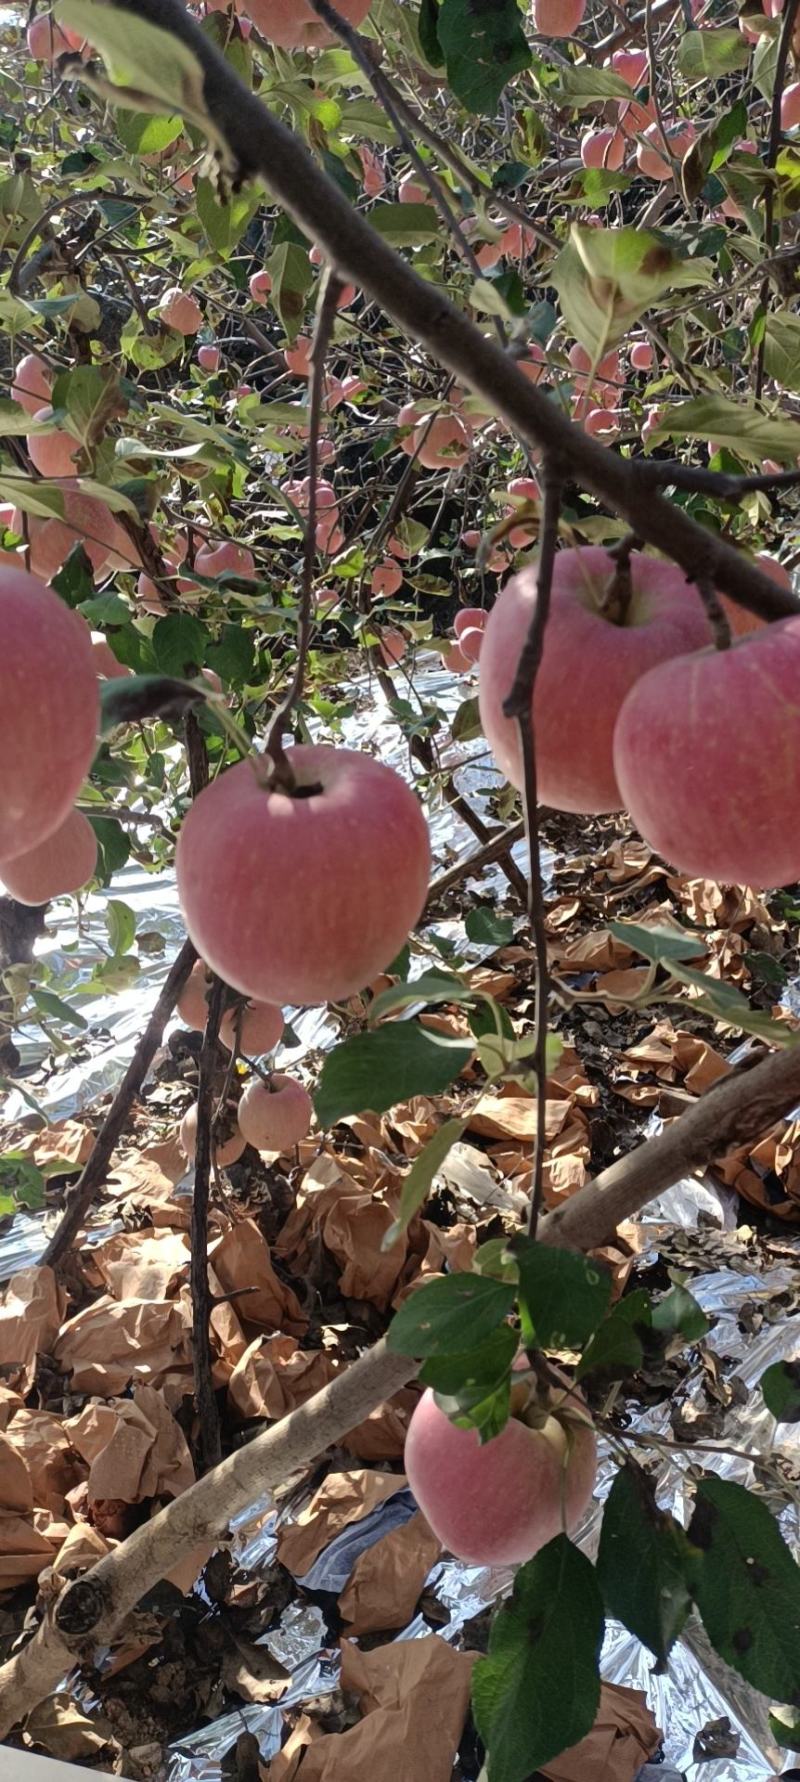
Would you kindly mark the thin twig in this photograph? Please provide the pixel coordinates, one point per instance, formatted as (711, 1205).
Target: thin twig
(209, 1441)
(770, 158)
(323, 328)
(519, 705)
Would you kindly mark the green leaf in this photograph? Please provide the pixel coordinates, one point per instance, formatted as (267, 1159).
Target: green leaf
(730, 1006)
(417, 1183)
(578, 87)
(52, 1006)
(378, 1069)
(782, 349)
(91, 396)
(405, 225)
(292, 277)
(566, 1295)
(466, 724)
(472, 1375)
(21, 1183)
(142, 134)
(616, 1348)
(483, 45)
(538, 1691)
(641, 1564)
(233, 655)
(75, 580)
(140, 56)
(43, 500)
(429, 33)
(429, 987)
(740, 426)
(141, 696)
(747, 1588)
(486, 927)
(452, 1314)
(179, 644)
(121, 925)
(678, 1314)
(607, 278)
(103, 609)
(785, 1727)
(709, 55)
(225, 224)
(662, 946)
(113, 846)
(780, 1386)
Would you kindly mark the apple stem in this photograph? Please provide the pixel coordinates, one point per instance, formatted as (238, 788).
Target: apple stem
(617, 597)
(519, 705)
(281, 775)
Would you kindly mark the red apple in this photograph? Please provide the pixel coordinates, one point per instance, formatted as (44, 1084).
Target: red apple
(48, 711)
(707, 755)
(468, 618)
(208, 357)
(387, 578)
(52, 454)
(557, 18)
(443, 444)
(790, 106)
(192, 1004)
(227, 557)
(292, 24)
(46, 40)
(260, 1026)
(588, 666)
(259, 284)
(229, 1151)
(63, 862)
(498, 1502)
(603, 148)
(303, 898)
(631, 66)
(33, 382)
(180, 311)
(275, 1116)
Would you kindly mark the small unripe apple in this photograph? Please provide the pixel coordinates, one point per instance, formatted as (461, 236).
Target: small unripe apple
(304, 898)
(292, 24)
(49, 708)
(259, 285)
(499, 1502)
(228, 1151)
(33, 382)
(208, 358)
(557, 18)
(707, 755)
(180, 311)
(275, 1116)
(63, 862)
(259, 1026)
(588, 665)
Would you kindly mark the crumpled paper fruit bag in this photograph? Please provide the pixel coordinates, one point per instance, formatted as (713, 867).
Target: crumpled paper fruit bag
(622, 1739)
(388, 1578)
(414, 1698)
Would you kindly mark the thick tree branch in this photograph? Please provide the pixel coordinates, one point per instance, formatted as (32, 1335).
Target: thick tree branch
(261, 145)
(209, 1439)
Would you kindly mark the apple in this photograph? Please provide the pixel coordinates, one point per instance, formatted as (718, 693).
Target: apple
(63, 862)
(49, 708)
(557, 18)
(53, 453)
(208, 358)
(790, 106)
(192, 1004)
(603, 148)
(650, 156)
(298, 357)
(292, 24)
(410, 192)
(275, 1116)
(347, 293)
(46, 40)
(228, 1151)
(180, 311)
(588, 665)
(453, 658)
(517, 243)
(707, 756)
(470, 642)
(303, 898)
(642, 355)
(631, 66)
(105, 662)
(225, 558)
(442, 444)
(467, 618)
(260, 1025)
(498, 1502)
(259, 285)
(392, 645)
(387, 578)
(33, 382)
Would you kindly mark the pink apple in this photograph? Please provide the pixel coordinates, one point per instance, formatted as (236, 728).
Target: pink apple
(443, 444)
(62, 863)
(387, 579)
(180, 311)
(642, 356)
(790, 106)
(298, 357)
(226, 1152)
(469, 618)
(303, 899)
(192, 1004)
(275, 1116)
(498, 1502)
(588, 666)
(603, 148)
(631, 66)
(33, 382)
(53, 453)
(259, 285)
(225, 558)
(259, 1026)
(719, 799)
(557, 18)
(208, 358)
(292, 24)
(410, 191)
(49, 707)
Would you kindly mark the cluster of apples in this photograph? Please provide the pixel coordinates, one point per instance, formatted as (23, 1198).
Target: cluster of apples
(49, 709)
(468, 628)
(633, 709)
(273, 1114)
